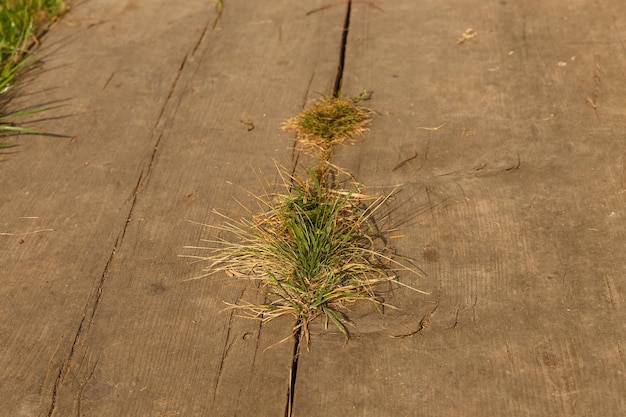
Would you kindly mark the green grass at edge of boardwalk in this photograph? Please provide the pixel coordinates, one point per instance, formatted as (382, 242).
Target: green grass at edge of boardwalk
(21, 23)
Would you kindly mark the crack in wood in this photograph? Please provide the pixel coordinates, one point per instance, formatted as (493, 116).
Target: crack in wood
(227, 346)
(404, 162)
(294, 371)
(484, 169)
(336, 92)
(412, 157)
(456, 320)
(226, 350)
(256, 347)
(336, 3)
(203, 35)
(609, 290)
(82, 389)
(94, 299)
(592, 97)
(88, 318)
(308, 89)
(422, 325)
(161, 121)
(245, 336)
(106, 84)
(474, 308)
(342, 52)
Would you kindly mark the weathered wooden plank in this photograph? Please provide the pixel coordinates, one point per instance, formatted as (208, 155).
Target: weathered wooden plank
(257, 65)
(98, 320)
(523, 243)
(66, 200)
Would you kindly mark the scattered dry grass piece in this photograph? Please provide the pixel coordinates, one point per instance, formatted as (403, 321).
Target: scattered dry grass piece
(434, 129)
(467, 35)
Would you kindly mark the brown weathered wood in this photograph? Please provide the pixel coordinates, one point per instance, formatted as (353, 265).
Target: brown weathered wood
(96, 319)
(510, 148)
(523, 244)
(78, 190)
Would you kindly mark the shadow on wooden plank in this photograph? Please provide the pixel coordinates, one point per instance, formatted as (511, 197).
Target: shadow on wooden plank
(526, 304)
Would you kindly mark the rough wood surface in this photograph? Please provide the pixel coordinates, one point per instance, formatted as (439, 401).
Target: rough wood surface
(96, 318)
(524, 240)
(503, 121)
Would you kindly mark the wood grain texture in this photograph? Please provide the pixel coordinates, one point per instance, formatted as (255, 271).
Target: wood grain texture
(523, 242)
(80, 188)
(98, 320)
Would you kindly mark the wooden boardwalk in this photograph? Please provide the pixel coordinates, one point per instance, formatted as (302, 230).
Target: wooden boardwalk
(503, 121)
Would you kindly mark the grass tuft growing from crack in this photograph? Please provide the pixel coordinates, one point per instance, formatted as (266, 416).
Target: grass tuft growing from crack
(314, 250)
(331, 121)
(315, 247)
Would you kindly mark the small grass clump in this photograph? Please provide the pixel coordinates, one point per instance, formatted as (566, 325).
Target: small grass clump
(313, 249)
(331, 121)
(21, 23)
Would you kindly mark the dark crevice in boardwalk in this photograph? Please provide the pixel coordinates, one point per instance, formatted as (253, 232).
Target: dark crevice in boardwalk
(85, 323)
(91, 307)
(294, 372)
(203, 35)
(342, 52)
(94, 299)
(336, 92)
(228, 344)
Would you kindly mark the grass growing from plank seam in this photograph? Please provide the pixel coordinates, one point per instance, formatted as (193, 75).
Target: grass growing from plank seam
(315, 246)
